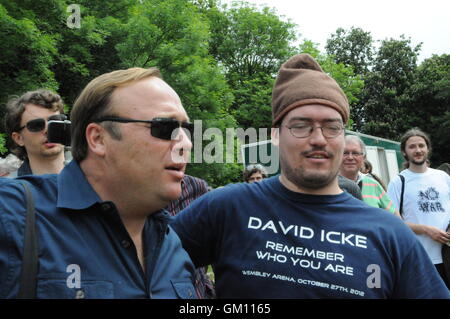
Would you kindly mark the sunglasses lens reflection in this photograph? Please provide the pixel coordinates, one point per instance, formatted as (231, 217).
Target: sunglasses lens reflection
(36, 125)
(168, 129)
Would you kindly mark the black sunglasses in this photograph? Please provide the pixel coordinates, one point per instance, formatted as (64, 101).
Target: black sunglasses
(161, 127)
(38, 124)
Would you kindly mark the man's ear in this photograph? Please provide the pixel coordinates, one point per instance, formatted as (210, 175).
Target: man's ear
(275, 135)
(95, 138)
(17, 138)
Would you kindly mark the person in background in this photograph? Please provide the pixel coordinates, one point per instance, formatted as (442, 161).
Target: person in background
(254, 173)
(26, 124)
(191, 189)
(425, 202)
(366, 169)
(372, 192)
(297, 234)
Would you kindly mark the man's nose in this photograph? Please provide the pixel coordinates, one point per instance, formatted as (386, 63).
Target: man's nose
(317, 137)
(182, 147)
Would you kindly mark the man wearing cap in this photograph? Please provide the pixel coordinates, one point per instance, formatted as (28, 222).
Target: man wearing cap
(298, 235)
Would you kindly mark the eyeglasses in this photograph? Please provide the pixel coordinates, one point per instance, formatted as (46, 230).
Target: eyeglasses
(161, 127)
(39, 124)
(305, 130)
(354, 154)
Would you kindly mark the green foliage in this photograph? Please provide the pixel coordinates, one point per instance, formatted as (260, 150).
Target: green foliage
(26, 57)
(3, 148)
(250, 44)
(428, 101)
(248, 40)
(352, 48)
(385, 111)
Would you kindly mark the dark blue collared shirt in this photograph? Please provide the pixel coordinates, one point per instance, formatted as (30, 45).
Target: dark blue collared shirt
(84, 248)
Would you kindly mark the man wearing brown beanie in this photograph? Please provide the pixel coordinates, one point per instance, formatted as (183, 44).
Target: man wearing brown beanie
(298, 235)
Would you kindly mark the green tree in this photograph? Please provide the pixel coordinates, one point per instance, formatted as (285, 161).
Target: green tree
(353, 48)
(26, 57)
(428, 101)
(3, 148)
(250, 44)
(385, 110)
(174, 35)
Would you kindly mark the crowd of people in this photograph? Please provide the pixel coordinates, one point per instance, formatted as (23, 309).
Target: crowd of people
(123, 220)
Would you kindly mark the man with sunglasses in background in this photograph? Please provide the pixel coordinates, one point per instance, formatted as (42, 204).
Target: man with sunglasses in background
(297, 234)
(26, 124)
(102, 231)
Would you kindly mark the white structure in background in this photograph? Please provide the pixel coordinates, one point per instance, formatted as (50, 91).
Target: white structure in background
(383, 154)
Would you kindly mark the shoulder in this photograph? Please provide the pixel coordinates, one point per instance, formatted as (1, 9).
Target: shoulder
(438, 173)
(396, 182)
(370, 182)
(12, 191)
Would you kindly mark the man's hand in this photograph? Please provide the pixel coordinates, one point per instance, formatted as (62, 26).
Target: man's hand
(436, 234)
(433, 232)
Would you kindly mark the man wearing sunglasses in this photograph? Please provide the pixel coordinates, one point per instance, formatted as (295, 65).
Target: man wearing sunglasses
(102, 230)
(298, 235)
(26, 124)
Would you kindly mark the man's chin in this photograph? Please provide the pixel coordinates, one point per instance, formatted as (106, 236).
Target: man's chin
(419, 163)
(54, 151)
(312, 181)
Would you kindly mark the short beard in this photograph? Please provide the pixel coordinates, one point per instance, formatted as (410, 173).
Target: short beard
(418, 163)
(412, 161)
(53, 152)
(312, 181)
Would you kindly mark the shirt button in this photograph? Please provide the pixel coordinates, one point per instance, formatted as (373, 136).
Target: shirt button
(79, 294)
(106, 207)
(125, 243)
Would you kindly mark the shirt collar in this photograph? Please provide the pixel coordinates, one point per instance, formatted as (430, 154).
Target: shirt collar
(360, 177)
(74, 190)
(25, 168)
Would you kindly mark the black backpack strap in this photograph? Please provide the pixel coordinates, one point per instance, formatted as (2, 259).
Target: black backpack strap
(30, 260)
(402, 178)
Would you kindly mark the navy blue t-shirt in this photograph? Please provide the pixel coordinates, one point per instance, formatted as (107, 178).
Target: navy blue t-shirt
(266, 241)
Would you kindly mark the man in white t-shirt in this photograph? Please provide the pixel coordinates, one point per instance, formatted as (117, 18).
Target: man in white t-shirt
(426, 197)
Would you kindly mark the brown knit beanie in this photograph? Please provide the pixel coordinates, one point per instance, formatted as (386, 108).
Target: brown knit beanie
(301, 81)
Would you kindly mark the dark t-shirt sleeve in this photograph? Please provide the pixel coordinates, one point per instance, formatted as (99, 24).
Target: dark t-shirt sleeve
(198, 229)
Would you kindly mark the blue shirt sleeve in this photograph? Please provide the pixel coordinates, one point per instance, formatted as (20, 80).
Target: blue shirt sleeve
(12, 225)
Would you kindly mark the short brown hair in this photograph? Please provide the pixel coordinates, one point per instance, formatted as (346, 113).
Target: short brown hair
(252, 169)
(94, 102)
(410, 133)
(16, 107)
